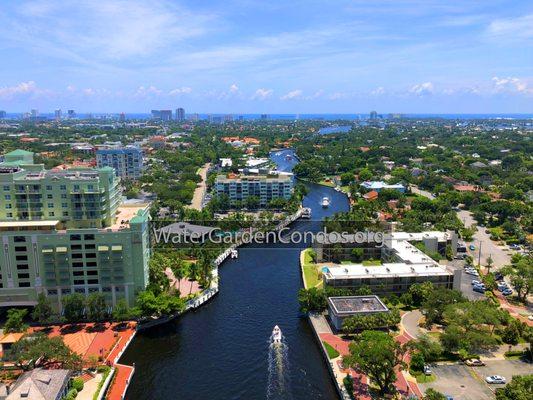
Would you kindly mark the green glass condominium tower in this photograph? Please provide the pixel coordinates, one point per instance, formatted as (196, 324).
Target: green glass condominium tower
(66, 232)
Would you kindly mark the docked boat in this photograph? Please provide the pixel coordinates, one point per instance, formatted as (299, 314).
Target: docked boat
(288, 157)
(234, 253)
(276, 335)
(306, 213)
(325, 202)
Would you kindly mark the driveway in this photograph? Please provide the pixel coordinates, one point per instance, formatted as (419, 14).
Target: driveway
(500, 255)
(459, 382)
(421, 192)
(506, 368)
(410, 323)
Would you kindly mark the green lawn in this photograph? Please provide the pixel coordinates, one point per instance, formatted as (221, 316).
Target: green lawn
(422, 378)
(326, 183)
(332, 353)
(310, 271)
(371, 263)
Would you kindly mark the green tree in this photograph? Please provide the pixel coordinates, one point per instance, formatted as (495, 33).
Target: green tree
(43, 310)
(377, 354)
(520, 388)
(39, 350)
(417, 362)
(121, 311)
(312, 299)
(73, 307)
(96, 306)
(434, 305)
(15, 320)
(432, 394)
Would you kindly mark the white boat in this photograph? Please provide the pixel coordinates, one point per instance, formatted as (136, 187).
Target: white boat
(276, 335)
(234, 254)
(306, 213)
(325, 202)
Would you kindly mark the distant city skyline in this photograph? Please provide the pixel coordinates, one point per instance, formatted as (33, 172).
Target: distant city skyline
(245, 56)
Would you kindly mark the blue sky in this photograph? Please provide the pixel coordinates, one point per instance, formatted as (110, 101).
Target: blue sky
(239, 56)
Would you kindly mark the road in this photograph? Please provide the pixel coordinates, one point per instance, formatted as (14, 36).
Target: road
(500, 255)
(199, 192)
(420, 192)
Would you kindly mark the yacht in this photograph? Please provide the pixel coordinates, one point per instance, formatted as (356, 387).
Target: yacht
(276, 335)
(234, 253)
(325, 202)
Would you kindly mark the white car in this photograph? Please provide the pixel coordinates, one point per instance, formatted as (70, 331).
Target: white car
(427, 370)
(475, 282)
(496, 379)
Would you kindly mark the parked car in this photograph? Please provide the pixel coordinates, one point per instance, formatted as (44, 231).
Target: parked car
(427, 370)
(502, 286)
(498, 276)
(479, 289)
(474, 362)
(507, 292)
(472, 272)
(496, 379)
(472, 247)
(515, 247)
(475, 282)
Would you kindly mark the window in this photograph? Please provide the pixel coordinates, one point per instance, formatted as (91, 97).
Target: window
(79, 290)
(21, 258)
(77, 265)
(77, 255)
(63, 195)
(90, 247)
(20, 248)
(51, 214)
(24, 284)
(24, 276)
(52, 292)
(91, 263)
(90, 255)
(23, 266)
(50, 205)
(89, 237)
(65, 291)
(92, 281)
(48, 187)
(90, 187)
(9, 206)
(106, 289)
(6, 188)
(65, 213)
(63, 187)
(9, 215)
(49, 196)
(7, 197)
(76, 187)
(75, 237)
(75, 247)
(92, 273)
(79, 282)
(64, 205)
(77, 273)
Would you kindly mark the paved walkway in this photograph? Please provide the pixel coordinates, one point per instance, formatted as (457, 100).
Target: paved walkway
(89, 388)
(410, 323)
(199, 192)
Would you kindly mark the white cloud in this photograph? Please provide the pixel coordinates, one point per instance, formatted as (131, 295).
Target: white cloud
(292, 95)
(512, 29)
(338, 96)
(511, 85)
(422, 89)
(378, 91)
(147, 91)
(180, 91)
(262, 94)
(234, 88)
(23, 88)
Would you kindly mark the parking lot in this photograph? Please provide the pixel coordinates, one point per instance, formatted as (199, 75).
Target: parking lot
(466, 282)
(468, 383)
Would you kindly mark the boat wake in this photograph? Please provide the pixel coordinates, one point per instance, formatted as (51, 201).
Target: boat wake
(278, 367)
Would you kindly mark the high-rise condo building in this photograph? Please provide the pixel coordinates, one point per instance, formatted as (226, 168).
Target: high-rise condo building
(126, 161)
(66, 232)
(3, 114)
(57, 114)
(180, 114)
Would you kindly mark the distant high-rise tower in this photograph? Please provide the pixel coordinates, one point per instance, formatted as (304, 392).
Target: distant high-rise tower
(228, 118)
(2, 114)
(122, 117)
(34, 113)
(57, 114)
(71, 114)
(264, 116)
(180, 114)
(373, 115)
(166, 115)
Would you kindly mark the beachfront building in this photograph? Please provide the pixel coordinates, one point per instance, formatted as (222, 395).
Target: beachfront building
(378, 186)
(265, 187)
(126, 161)
(340, 308)
(399, 265)
(66, 232)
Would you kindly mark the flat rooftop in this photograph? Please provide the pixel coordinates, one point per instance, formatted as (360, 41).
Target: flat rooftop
(125, 213)
(350, 305)
(386, 270)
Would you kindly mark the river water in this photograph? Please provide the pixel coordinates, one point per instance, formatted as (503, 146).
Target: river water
(221, 351)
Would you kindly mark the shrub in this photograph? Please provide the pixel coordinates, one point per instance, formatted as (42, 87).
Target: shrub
(71, 395)
(77, 383)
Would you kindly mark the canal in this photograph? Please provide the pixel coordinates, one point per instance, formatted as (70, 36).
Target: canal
(221, 350)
